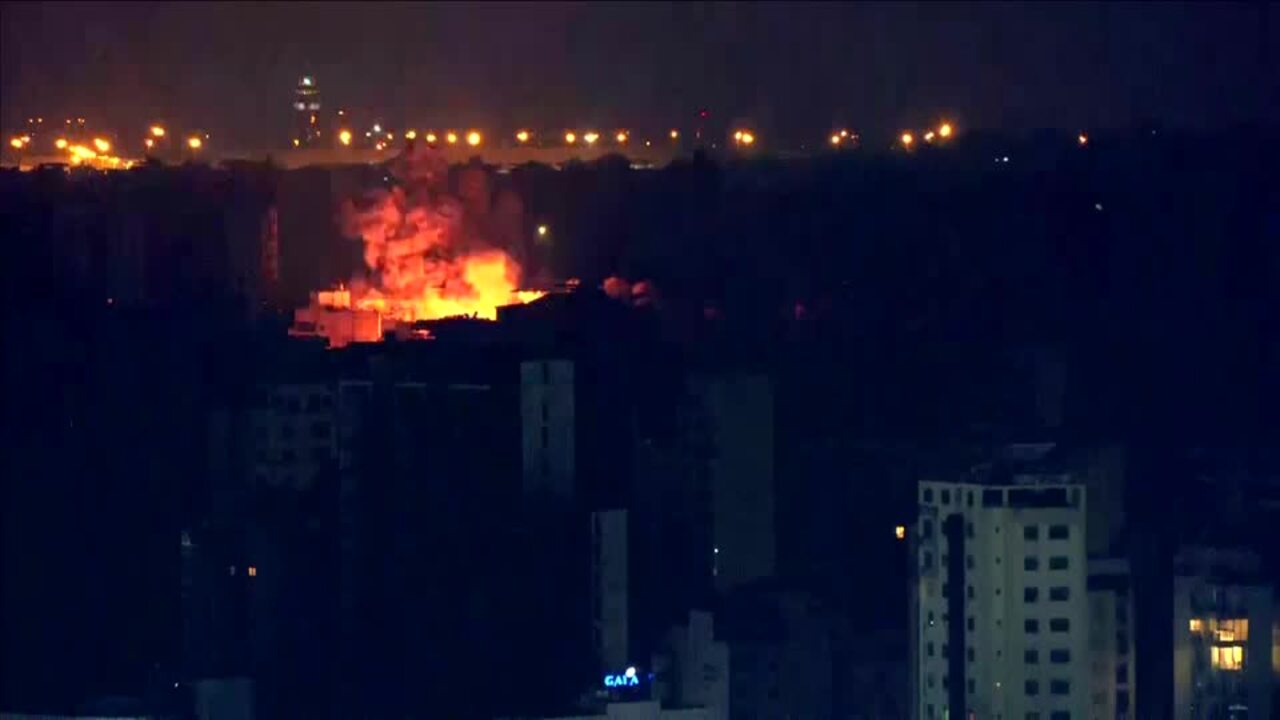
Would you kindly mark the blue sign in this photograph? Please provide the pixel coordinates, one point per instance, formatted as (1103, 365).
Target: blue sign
(627, 679)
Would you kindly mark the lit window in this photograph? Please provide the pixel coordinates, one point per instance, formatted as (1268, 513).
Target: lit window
(1228, 657)
(253, 571)
(900, 532)
(1230, 630)
(1197, 625)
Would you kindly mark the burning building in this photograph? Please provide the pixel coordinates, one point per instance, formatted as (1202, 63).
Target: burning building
(426, 255)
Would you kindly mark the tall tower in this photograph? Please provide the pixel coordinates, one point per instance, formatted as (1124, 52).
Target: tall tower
(306, 112)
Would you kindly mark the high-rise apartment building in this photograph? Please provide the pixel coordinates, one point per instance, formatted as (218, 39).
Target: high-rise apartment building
(1000, 605)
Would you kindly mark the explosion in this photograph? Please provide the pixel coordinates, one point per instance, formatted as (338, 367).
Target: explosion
(429, 255)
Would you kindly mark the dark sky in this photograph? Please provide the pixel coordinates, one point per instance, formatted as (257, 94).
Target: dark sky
(791, 68)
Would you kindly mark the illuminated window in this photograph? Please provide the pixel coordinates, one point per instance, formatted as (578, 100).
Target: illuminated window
(1230, 630)
(253, 571)
(1196, 625)
(1227, 657)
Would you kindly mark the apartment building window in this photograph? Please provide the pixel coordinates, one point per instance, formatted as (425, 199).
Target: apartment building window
(1060, 656)
(969, 592)
(973, 687)
(992, 498)
(1059, 625)
(1059, 687)
(1031, 626)
(1060, 715)
(926, 528)
(928, 495)
(969, 623)
(946, 497)
(1032, 716)
(1227, 657)
(1058, 532)
(926, 560)
(968, 530)
(970, 653)
(928, 649)
(1032, 687)
(1030, 594)
(1031, 563)
(968, 562)
(1059, 593)
(1058, 562)
(1122, 674)
(1031, 532)
(1031, 657)
(969, 498)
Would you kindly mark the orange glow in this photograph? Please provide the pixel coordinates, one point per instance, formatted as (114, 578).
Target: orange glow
(746, 138)
(944, 130)
(431, 137)
(157, 131)
(621, 137)
(451, 138)
(411, 135)
(522, 136)
(835, 139)
(101, 145)
(149, 143)
(907, 138)
(473, 138)
(344, 136)
(570, 137)
(253, 571)
(674, 134)
(1082, 139)
(195, 143)
(844, 133)
(928, 136)
(590, 137)
(296, 142)
(900, 532)
(60, 143)
(737, 136)
(15, 143)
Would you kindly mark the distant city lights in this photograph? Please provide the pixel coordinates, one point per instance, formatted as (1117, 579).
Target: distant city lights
(473, 138)
(542, 231)
(590, 137)
(900, 532)
(16, 143)
(60, 143)
(145, 141)
(522, 136)
(431, 137)
(101, 145)
(157, 131)
(344, 136)
(1082, 139)
(570, 137)
(194, 142)
(744, 137)
(944, 130)
(621, 137)
(411, 135)
(674, 134)
(907, 139)
(451, 138)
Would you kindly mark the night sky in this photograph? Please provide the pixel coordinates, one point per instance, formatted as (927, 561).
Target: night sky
(791, 69)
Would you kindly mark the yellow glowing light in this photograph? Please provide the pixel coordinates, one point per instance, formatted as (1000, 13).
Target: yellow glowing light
(620, 137)
(157, 131)
(60, 143)
(542, 231)
(411, 135)
(944, 130)
(380, 145)
(195, 143)
(253, 571)
(149, 143)
(570, 138)
(344, 136)
(296, 142)
(451, 138)
(844, 133)
(26, 139)
(1082, 139)
(900, 532)
(590, 137)
(101, 145)
(737, 136)
(835, 139)
(431, 137)
(748, 138)
(907, 138)
(15, 143)
(928, 136)
(522, 136)
(473, 138)
(674, 134)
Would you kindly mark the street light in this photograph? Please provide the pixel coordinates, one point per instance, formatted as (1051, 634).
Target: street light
(473, 138)
(195, 143)
(907, 138)
(944, 130)
(522, 136)
(590, 137)
(344, 136)
(157, 131)
(570, 137)
(451, 138)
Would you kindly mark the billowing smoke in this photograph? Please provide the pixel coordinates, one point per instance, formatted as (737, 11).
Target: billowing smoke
(428, 254)
(640, 293)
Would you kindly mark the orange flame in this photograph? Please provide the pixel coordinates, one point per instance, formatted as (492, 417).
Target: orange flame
(421, 263)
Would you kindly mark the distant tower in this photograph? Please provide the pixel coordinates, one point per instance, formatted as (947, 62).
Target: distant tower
(306, 112)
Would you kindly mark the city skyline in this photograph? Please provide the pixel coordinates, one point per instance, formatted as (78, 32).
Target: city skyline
(792, 71)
